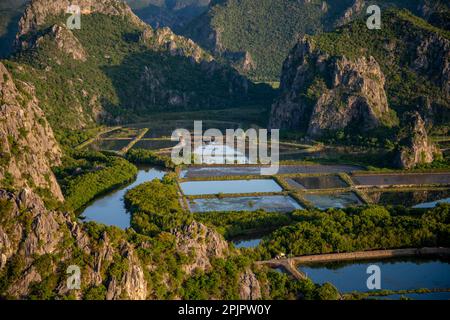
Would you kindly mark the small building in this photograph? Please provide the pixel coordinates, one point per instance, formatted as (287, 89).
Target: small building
(280, 256)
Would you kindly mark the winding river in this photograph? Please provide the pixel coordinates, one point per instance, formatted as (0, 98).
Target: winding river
(110, 208)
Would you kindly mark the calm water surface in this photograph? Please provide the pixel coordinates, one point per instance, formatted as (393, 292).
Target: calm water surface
(268, 203)
(191, 188)
(335, 200)
(110, 209)
(396, 274)
(247, 243)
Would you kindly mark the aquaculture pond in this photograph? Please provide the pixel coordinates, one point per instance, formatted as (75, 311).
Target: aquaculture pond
(112, 145)
(110, 209)
(317, 182)
(219, 171)
(267, 203)
(396, 274)
(121, 133)
(215, 153)
(155, 144)
(335, 200)
(401, 179)
(419, 198)
(192, 188)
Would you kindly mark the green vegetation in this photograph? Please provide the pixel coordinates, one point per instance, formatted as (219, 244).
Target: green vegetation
(222, 280)
(393, 49)
(382, 293)
(155, 207)
(357, 229)
(143, 156)
(245, 26)
(232, 224)
(89, 174)
(71, 92)
(283, 288)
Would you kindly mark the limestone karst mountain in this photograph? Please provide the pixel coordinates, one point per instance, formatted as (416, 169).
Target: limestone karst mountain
(267, 29)
(163, 71)
(365, 85)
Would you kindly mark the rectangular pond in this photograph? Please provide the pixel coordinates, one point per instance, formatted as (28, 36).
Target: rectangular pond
(417, 198)
(401, 179)
(267, 203)
(155, 144)
(219, 171)
(396, 274)
(112, 145)
(192, 188)
(317, 182)
(121, 133)
(335, 200)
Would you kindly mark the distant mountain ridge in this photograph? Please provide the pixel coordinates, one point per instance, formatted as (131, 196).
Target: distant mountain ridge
(116, 67)
(175, 14)
(379, 84)
(265, 30)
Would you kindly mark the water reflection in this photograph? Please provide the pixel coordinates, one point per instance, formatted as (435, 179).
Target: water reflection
(110, 209)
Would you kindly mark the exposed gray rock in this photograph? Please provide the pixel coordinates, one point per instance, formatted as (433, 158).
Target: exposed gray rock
(38, 11)
(201, 243)
(414, 146)
(322, 93)
(65, 41)
(27, 143)
(250, 288)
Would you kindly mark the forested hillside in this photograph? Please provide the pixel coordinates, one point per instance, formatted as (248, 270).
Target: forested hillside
(256, 36)
(116, 68)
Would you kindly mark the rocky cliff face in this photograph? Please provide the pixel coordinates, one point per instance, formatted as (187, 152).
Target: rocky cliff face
(414, 145)
(38, 11)
(250, 288)
(322, 93)
(430, 57)
(37, 245)
(201, 244)
(163, 70)
(29, 233)
(354, 10)
(153, 85)
(28, 148)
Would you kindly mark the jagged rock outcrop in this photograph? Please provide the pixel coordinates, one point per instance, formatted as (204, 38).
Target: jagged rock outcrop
(414, 145)
(133, 284)
(28, 148)
(153, 86)
(65, 41)
(38, 11)
(248, 63)
(322, 93)
(349, 14)
(165, 40)
(430, 57)
(28, 231)
(201, 244)
(249, 288)
(38, 244)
